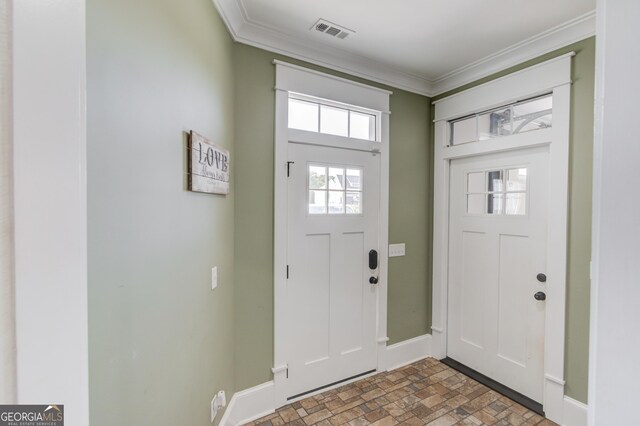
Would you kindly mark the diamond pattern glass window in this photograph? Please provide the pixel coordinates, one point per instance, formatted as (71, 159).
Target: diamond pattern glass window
(334, 190)
(497, 192)
(331, 118)
(519, 117)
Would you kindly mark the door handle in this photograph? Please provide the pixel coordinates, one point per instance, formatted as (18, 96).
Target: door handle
(373, 259)
(540, 296)
(373, 265)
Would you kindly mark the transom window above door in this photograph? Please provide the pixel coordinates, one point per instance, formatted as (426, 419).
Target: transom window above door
(332, 118)
(520, 117)
(334, 190)
(497, 192)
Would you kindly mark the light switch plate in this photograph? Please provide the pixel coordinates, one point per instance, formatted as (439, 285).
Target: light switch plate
(218, 401)
(214, 277)
(222, 399)
(214, 408)
(396, 250)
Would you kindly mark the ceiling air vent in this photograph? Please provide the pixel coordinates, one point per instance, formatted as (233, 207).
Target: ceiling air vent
(331, 29)
(322, 27)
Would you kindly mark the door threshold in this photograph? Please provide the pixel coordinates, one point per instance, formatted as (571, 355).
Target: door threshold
(331, 384)
(525, 401)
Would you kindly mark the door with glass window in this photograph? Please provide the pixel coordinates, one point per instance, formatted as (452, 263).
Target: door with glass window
(497, 261)
(332, 243)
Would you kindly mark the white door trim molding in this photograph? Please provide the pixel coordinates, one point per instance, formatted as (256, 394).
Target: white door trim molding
(292, 78)
(507, 89)
(50, 204)
(7, 299)
(550, 76)
(297, 79)
(613, 347)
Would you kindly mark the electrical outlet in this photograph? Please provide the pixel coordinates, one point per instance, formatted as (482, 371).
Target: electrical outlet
(396, 250)
(214, 277)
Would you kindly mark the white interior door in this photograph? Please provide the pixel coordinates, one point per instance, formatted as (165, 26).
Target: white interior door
(333, 213)
(497, 248)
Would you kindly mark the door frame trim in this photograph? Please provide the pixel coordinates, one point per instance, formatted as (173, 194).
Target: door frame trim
(551, 76)
(293, 78)
(50, 204)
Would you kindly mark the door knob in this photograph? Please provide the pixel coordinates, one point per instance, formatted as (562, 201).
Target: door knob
(542, 278)
(540, 296)
(373, 280)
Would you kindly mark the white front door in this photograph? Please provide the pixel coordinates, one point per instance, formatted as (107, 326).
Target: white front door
(497, 249)
(333, 214)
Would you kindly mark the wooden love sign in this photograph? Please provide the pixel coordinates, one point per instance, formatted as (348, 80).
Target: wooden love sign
(208, 166)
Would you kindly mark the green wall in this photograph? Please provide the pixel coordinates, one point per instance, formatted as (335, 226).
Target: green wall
(410, 217)
(158, 334)
(160, 341)
(580, 184)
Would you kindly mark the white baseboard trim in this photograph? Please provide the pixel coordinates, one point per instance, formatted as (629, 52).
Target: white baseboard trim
(408, 351)
(574, 413)
(249, 404)
(258, 401)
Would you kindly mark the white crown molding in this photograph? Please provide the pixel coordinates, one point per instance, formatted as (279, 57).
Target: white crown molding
(565, 34)
(232, 14)
(247, 31)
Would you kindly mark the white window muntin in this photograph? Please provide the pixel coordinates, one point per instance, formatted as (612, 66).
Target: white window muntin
(497, 191)
(375, 130)
(319, 193)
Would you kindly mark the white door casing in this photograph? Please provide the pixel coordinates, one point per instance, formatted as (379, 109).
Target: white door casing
(495, 325)
(295, 79)
(553, 76)
(331, 305)
(50, 204)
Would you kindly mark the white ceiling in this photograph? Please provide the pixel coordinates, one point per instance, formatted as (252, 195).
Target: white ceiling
(426, 46)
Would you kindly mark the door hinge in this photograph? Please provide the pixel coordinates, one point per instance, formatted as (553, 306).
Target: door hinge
(289, 163)
(287, 271)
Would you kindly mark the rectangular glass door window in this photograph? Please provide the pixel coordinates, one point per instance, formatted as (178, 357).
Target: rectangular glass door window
(334, 190)
(497, 192)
